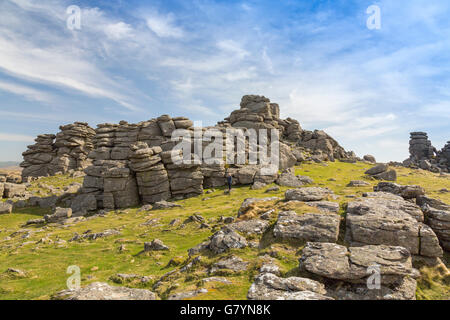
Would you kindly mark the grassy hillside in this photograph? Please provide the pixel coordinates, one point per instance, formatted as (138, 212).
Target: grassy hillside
(45, 252)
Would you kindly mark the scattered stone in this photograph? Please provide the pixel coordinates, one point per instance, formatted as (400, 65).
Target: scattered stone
(370, 158)
(165, 205)
(273, 189)
(358, 183)
(155, 245)
(288, 179)
(407, 192)
(187, 295)
(233, 264)
(226, 239)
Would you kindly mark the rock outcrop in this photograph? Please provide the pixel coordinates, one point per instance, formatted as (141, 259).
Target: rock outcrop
(60, 153)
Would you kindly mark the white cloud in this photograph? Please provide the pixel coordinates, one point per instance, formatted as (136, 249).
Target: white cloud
(164, 26)
(15, 137)
(117, 31)
(26, 92)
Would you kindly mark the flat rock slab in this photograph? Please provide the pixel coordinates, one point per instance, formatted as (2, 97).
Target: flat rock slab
(334, 261)
(268, 286)
(390, 222)
(308, 194)
(103, 291)
(254, 226)
(308, 227)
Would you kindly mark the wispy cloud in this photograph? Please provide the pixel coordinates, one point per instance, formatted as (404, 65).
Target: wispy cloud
(15, 137)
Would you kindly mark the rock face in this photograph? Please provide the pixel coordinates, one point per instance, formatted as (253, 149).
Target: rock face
(316, 227)
(424, 156)
(387, 221)
(438, 218)
(349, 268)
(67, 150)
(103, 291)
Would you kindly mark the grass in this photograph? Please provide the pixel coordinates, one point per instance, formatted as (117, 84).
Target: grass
(46, 264)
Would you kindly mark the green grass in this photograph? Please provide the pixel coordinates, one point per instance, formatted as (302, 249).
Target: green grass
(46, 264)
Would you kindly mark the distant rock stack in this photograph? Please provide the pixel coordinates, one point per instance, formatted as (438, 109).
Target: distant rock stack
(424, 156)
(420, 147)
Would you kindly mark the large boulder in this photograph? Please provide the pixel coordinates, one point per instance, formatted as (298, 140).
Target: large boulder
(308, 227)
(377, 221)
(349, 269)
(226, 239)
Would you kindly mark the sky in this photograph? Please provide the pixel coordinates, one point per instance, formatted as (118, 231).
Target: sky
(319, 60)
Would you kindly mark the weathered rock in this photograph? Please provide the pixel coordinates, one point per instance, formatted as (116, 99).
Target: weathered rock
(249, 203)
(307, 227)
(407, 192)
(186, 295)
(288, 179)
(59, 214)
(155, 245)
(165, 205)
(370, 158)
(268, 286)
(351, 265)
(226, 239)
(233, 264)
(103, 291)
(308, 194)
(379, 168)
(5, 207)
(254, 226)
(390, 222)
(12, 190)
(358, 183)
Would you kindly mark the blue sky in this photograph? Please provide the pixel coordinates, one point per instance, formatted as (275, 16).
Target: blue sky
(136, 60)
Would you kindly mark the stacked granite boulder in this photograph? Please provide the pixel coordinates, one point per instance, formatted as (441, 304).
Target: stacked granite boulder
(152, 179)
(73, 144)
(424, 156)
(420, 147)
(68, 152)
(258, 112)
(38, 157)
